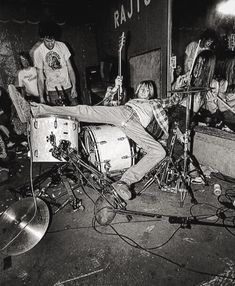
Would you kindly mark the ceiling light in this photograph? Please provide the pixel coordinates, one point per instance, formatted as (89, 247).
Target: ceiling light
(226, 7)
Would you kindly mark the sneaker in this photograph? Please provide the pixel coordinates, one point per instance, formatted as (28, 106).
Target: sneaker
(122, 190)
(10, 144)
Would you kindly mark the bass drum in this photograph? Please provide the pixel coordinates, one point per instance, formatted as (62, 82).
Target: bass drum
(63, 127)
(108, 149)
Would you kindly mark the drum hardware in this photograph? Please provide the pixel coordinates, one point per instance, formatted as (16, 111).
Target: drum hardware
(187, 158)
(62, 99)
(192, 89)
(63, 127)
(168, 174)
(104, 182)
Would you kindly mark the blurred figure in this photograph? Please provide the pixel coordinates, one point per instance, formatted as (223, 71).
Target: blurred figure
(27, 78)
(207, 41)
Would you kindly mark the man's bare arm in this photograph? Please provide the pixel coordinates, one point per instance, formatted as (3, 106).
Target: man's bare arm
(41, 84)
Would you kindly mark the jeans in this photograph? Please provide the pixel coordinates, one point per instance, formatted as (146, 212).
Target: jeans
(124, 118)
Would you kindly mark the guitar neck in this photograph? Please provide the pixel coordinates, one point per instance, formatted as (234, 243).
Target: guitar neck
(120, 63)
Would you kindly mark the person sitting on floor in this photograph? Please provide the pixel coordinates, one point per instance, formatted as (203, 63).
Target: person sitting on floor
(132, 118)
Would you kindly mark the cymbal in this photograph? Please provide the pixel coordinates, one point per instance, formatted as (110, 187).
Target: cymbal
(191, 90)
(21, 228)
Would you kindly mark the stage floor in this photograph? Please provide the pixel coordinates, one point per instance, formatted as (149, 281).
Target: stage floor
(143, 251)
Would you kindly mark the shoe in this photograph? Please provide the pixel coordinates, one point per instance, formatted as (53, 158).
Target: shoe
(24, 143)
(122, 190)
(197, 180)
(10, 144)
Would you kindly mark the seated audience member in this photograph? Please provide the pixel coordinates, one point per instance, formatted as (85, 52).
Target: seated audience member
(27, 78)
(132, 118)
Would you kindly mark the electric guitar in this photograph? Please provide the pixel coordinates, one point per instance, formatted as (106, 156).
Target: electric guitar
(121, 45)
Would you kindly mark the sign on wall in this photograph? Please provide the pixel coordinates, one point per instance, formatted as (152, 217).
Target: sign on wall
(128, 10)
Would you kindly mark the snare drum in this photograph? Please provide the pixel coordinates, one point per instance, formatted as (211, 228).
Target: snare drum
(109, 148)
(63, 127)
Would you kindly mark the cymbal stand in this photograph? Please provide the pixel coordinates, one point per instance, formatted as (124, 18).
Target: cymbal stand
(187, 157)
(167, 171)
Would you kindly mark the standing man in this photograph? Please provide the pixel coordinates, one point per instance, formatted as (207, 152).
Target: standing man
(56, 77)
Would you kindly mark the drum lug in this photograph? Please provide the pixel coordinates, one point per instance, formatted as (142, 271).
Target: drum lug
(121, 138)
(107, 165)
(96, 163)
(35, 124)
(102, 142)
(36, 153)
(125, 157)
(55, 123)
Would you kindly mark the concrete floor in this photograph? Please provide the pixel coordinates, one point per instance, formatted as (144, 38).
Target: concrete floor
(143, 251)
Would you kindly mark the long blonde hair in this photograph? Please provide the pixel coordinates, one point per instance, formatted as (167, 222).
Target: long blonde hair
(150, 85)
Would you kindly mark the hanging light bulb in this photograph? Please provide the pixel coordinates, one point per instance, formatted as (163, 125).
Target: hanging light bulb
(226, 7)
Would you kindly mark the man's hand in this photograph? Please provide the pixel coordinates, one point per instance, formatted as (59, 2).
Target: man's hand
(182, 81)
(118, 83)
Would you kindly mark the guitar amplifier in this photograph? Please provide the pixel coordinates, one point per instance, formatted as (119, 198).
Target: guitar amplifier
(215, 148)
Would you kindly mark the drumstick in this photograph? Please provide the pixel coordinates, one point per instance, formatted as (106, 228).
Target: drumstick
(225, 103)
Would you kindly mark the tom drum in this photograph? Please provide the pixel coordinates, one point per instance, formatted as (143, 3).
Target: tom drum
(63, 127)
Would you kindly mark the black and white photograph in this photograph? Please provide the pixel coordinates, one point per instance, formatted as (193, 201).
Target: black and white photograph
(117, 142)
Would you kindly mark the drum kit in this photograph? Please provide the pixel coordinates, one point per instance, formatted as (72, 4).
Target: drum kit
(103, 152)
(106, 152)
(98, 154)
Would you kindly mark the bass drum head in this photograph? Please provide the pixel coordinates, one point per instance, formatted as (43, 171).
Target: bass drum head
(108, 148)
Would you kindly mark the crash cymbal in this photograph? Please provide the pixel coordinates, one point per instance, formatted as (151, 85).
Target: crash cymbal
(21, 228)
(191, 89)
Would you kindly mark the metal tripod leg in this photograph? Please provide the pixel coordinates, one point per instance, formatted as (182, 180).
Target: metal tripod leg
(160, 167)
(194, 162)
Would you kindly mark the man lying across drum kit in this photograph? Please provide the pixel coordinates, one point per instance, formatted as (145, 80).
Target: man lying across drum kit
(132, 118)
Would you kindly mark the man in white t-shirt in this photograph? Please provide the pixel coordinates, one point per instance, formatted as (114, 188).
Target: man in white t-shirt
(27, 78)
(56, 77)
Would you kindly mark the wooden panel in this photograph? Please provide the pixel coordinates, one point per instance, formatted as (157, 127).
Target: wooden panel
(146, 66)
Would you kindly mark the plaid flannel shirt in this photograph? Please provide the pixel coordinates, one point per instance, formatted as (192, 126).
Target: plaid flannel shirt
(158, 106)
